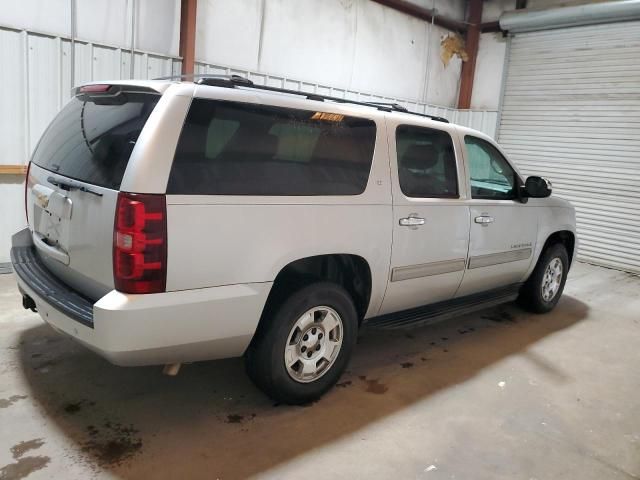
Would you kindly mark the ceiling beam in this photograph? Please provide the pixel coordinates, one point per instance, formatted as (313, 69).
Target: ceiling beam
(425, 14)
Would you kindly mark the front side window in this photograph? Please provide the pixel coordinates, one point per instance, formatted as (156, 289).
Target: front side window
(229, 148)
(426, 163)
(492, 178)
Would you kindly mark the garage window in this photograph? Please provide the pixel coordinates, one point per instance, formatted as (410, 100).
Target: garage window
(229, 148)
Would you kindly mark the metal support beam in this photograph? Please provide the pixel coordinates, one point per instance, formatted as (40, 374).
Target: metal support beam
(424, 14)
(490, 27)
(471, 45)
(188, 35)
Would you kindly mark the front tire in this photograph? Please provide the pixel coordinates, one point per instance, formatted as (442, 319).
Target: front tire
(542, 291)
(303, 346)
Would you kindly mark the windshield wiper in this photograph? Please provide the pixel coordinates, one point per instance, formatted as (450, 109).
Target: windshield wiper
(66, 185)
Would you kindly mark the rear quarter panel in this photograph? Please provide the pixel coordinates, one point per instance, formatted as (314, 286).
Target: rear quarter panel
(211, 245)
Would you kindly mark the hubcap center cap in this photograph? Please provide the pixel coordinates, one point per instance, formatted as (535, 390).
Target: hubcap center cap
(311, 342)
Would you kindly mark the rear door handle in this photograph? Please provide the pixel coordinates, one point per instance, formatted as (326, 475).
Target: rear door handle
(484, 220)
(412, 221)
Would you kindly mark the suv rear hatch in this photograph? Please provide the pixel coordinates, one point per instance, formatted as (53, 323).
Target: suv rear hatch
(74, 180)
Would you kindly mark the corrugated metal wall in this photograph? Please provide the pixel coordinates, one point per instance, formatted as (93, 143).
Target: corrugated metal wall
(483, 120)
(36, 81)
(571, 112)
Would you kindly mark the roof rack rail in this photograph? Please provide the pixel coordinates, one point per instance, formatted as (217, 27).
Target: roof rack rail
(393, 106)
(232, 81)
(396, 107)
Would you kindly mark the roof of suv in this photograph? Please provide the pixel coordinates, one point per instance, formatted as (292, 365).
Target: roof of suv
(160, 85)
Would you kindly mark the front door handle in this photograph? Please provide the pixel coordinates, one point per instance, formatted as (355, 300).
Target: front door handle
(484, 220)
(411, 221)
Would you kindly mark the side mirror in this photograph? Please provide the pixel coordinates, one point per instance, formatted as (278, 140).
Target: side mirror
(537, 187)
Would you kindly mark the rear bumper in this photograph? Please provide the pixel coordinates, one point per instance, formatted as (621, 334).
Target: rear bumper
(171, 327)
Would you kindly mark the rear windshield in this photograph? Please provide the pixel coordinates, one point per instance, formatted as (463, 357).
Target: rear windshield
(93, 143)
(229, 148)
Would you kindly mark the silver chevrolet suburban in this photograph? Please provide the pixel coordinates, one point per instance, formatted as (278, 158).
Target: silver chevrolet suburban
(175, 221)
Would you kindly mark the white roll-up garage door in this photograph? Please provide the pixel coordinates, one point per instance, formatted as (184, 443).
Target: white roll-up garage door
(571, 112)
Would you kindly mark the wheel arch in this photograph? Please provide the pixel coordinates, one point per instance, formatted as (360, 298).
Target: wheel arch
(564, 237)
(350, 271)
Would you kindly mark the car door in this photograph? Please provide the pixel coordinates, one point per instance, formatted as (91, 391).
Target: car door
(502, 228)
(430, 217)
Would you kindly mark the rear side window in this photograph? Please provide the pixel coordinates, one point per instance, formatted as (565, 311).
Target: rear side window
(426, 163)
(92, 142)
(229, 148)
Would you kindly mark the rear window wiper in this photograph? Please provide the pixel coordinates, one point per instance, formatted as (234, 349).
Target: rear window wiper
(66, 185)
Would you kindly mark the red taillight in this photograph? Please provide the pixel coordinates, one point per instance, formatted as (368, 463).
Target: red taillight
(140, 243)
(27, 185)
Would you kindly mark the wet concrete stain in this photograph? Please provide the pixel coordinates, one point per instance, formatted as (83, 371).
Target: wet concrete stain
(462, 331)
(344, 384)
(23, 467)
(74, 407)
(235, 418)
(23, 447)
(44, 365)
(406, 365)
(500, 316)
(112, 445)
(7, 402)
(374, 385)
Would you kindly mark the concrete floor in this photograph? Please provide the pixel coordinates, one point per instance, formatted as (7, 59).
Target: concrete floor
(500, 394)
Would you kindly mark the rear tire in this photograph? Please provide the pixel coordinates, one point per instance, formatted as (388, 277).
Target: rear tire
(542, 291)
(304, 344)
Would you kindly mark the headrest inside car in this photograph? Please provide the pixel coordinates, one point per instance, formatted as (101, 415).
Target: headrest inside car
(419, 157)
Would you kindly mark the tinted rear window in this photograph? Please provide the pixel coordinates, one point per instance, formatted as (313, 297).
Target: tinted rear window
(93, 143)
(229, 148)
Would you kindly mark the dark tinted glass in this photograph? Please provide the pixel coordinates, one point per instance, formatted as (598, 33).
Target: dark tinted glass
(491, 175)
(93, 143)
(229, 148)
(426, 163)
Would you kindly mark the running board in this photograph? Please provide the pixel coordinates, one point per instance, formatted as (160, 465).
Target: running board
(436, 312)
